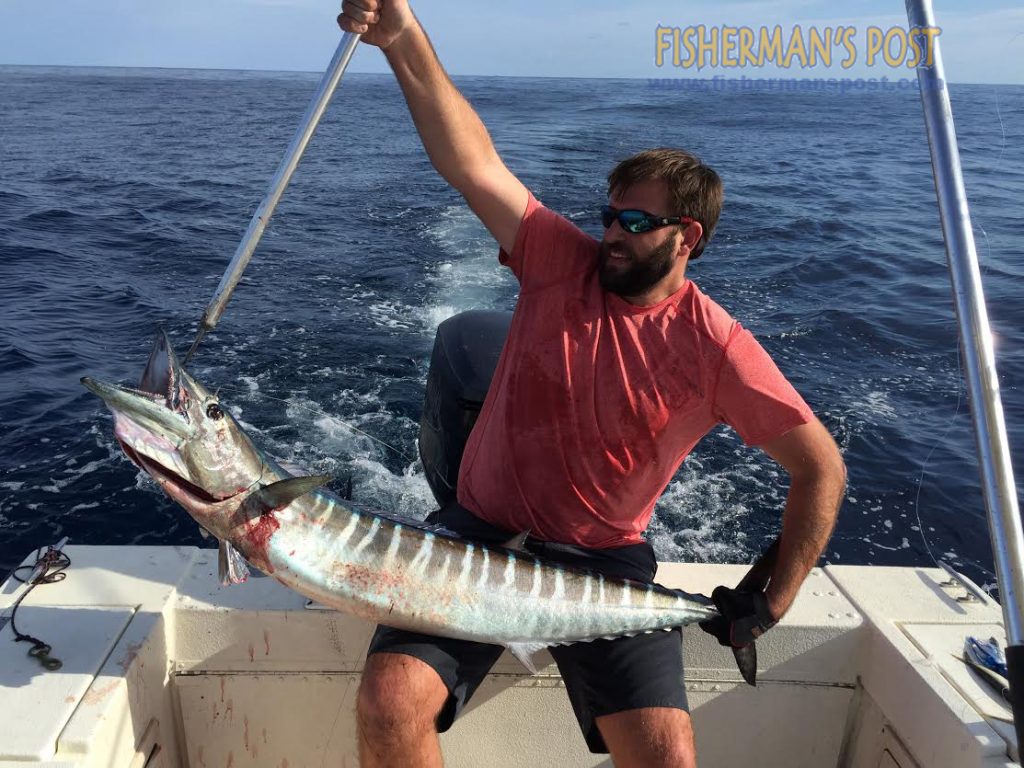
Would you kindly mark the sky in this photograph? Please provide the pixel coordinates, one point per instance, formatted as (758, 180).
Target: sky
(982, 40)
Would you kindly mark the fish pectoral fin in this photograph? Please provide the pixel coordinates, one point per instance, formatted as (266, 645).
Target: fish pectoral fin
(525, 652)
(284, 492)
(518, 542)
(231, 566)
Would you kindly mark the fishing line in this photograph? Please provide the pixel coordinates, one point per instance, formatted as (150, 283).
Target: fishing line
(999, 160)
(942, 437)
(319, 412)
(1002, 126)
(50, 564)
(984, 264)
(935, 445)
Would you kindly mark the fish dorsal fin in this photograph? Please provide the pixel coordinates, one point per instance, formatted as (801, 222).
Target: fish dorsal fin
(284, 492)
(525, 651)
(231, 566)
(518, 542)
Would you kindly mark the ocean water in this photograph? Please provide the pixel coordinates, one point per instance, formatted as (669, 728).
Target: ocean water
(123, 194)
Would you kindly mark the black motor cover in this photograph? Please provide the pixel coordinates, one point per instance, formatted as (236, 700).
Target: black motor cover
(466, 351)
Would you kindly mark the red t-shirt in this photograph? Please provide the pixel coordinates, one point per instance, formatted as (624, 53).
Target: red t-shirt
(596, 402)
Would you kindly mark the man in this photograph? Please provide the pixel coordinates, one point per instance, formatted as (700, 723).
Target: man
(615, 366)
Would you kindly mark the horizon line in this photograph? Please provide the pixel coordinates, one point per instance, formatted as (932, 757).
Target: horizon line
(458, 74)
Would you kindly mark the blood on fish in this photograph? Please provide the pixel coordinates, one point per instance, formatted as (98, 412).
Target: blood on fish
(259, 533)
(363, 579)
(258, 536)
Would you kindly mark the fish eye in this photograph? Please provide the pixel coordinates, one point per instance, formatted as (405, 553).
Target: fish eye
(214, 412)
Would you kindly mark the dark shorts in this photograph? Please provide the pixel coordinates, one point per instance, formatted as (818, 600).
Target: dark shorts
(602, 677)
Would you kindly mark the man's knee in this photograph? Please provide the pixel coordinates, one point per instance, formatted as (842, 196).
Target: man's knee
(650, 737)
(398, 695)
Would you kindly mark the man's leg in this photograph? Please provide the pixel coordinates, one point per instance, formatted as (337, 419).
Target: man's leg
(655, 737)
(399, 701)
(413, 688)
(629, 698)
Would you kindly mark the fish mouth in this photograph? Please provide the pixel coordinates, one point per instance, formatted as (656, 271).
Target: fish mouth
(162, 371)
(149, 411)
(150, 422)
(151, 435)
(154, 412)
(166, 476)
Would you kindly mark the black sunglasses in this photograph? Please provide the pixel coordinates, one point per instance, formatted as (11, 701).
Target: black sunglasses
(635, 221)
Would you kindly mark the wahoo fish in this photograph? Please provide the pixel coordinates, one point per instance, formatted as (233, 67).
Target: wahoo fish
(382, 568)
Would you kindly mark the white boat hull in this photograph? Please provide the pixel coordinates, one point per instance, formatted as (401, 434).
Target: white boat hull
(164, 667)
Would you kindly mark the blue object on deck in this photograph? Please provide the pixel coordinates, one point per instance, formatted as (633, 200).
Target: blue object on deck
(986, 653)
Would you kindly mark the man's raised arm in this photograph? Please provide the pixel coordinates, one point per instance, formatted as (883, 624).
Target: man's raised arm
(455, 139)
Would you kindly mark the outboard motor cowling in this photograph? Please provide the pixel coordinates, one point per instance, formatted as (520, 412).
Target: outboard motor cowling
(466, 352)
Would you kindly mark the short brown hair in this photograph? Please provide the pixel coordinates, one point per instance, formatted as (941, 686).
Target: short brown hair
(695, 190)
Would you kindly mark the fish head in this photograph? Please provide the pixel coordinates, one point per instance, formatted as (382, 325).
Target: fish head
(177, 431)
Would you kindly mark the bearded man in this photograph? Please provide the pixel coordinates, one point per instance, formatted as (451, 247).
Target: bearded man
(615, 366)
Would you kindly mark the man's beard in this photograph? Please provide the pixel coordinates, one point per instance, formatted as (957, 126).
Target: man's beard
(638, 275)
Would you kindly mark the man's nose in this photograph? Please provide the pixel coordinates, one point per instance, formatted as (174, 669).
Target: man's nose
(615, 233)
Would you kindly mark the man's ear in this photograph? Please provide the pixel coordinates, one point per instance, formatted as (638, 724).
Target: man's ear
(692, 235)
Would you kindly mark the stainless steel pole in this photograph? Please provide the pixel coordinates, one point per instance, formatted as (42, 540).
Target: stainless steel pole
(979, 355)
(328, 84)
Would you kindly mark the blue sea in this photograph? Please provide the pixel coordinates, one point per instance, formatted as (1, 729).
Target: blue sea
(123, 194)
